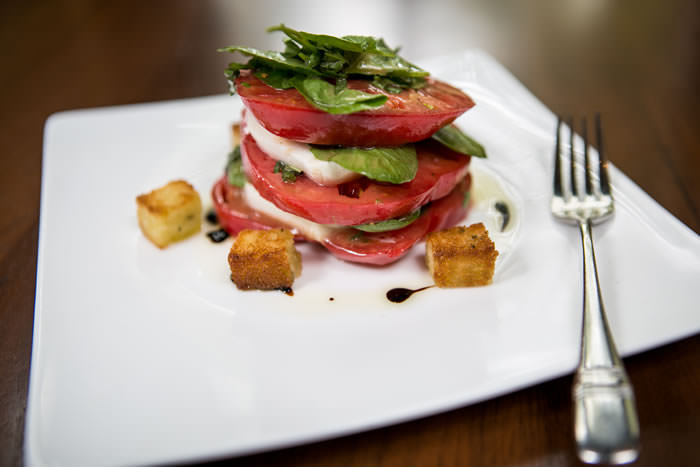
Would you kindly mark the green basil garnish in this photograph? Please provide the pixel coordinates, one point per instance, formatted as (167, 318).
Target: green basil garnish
(465, 200)
(373, 64)
(391, 164)
(312, 42)
(391, 224)
(278, 79)
(325, 96)
(455, 139)
(268, 58)
(234, 168)
(289, 174)
(314, 64)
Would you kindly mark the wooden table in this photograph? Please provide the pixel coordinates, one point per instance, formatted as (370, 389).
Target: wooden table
(636, 62)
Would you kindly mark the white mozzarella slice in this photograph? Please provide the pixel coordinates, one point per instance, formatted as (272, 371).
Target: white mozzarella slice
(297, 155)
(310, 230)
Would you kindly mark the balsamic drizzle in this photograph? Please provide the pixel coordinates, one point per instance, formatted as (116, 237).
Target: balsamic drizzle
(353, 188)
(400, 294)
(502, 208)
(217, 236)
(212, 218)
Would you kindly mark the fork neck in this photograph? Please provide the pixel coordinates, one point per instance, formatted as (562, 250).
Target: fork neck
(597, 346)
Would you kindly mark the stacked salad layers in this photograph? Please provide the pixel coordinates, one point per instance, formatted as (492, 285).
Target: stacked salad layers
(347, 144)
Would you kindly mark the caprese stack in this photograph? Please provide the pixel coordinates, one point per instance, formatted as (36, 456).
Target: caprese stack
(347, 144)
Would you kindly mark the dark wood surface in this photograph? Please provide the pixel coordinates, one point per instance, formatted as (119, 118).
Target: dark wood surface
(636, 62)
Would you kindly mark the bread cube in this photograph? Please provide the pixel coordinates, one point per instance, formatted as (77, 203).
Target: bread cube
(264, 259)
(461, 256)
(170, 213)
(235, 135)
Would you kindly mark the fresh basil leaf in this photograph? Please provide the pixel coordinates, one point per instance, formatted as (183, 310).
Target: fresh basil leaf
(309, 57)
(313, 41)
(375, 64)
(384, 48)
(297, 36)
(332, 62)
(271, 59)
(324, 95)
(289, 174)
(234, 168)
(278, 79)
(395, 85)
(358, 236)
(390, 224)
(465, 200)
(455, 139)
(416, 82)
(393, 165)
(340, 84)
(364, 42)
(291, 48)
(234, 69)
(387, 84)
(313, 60)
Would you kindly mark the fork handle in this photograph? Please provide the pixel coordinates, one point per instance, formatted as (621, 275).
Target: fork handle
(606, 425)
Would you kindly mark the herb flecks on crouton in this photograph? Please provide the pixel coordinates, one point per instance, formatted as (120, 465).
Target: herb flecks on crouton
(170, 213)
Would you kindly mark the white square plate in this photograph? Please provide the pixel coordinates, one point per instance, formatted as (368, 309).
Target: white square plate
(144, 356)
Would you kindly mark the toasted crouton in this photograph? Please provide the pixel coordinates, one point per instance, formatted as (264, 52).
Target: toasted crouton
(264, 259)
(461, 256)
(170, 213)
(235, 135)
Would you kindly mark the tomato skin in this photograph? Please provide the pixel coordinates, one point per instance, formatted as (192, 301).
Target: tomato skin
(407, 117)
(349, 244)
(439, 171)
(235, 214)
(386, 247)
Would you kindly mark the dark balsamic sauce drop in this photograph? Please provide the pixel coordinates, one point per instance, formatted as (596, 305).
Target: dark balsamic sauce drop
(212, 218)
(502, 208)
(287, 290)
(353, 188)
(399, 294)
(217, 236)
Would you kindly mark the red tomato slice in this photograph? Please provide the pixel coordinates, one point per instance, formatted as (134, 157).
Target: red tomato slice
(235, 214)
(439, 171)
(407, 117)
(347, 243)
(387, 247)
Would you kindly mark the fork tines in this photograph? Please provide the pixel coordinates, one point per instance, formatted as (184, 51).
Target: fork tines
(579, 150)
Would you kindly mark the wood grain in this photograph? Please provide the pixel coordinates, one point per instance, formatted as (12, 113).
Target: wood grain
(636, 62)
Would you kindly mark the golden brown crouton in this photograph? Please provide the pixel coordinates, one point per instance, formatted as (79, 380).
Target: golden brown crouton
(264, 259)
(461, 256)
(235, 135)
(170, 213)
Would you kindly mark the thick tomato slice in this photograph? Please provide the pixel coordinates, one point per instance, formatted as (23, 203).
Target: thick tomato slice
(347, 243)
(235, 214)
(386, 247)
(439, 171)
(407, 117)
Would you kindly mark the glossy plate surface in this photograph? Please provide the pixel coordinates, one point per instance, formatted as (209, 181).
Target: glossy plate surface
(144, 356)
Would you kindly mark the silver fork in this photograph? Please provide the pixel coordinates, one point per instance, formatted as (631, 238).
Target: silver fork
(606, 426)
